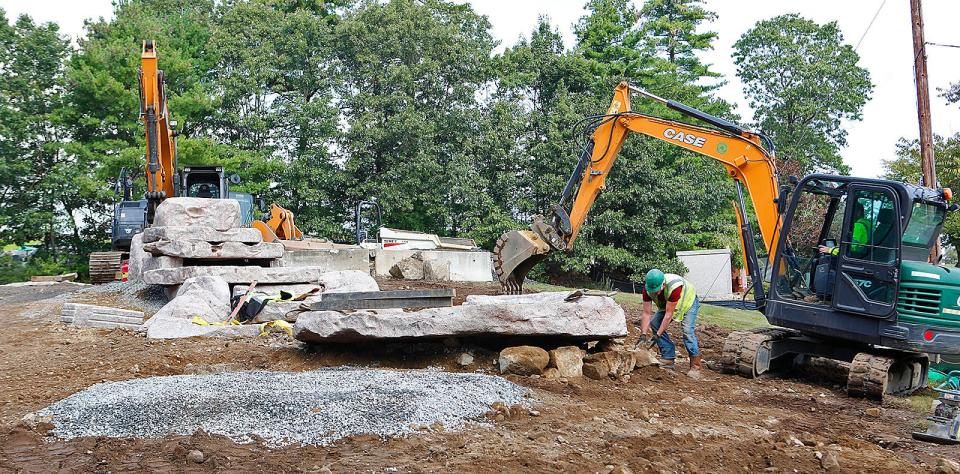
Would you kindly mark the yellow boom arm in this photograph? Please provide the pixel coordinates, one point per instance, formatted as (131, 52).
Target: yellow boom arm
(741, 152)
(161, 154)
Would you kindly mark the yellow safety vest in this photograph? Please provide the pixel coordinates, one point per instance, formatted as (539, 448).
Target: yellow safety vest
(687, 295)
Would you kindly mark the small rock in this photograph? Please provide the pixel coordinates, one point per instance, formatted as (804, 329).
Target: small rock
(551, 373)
(465, 359)
(873, 411)
(523, 360)
(621, 469)
(947, 466)
(195, 456)
(829, 461)
(794, 440)
(533, 413)
(568, 360)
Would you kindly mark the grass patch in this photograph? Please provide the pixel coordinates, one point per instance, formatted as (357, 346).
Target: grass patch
(729, 318)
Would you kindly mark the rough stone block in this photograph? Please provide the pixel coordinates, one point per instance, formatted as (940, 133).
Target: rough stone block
(233, 274)
(88, 315)
(137, 256)
(464, 266)
(539, 314)
(215, 287)
(206, 297)
(410, 268)
(219, 250)
(436, 270)
(612, 363)
(523, 360)
(202, 233)
(568, 360)
(330, 282)
(220, 214)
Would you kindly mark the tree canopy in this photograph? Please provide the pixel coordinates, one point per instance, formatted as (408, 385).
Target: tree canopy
(320, 104)
(802, 81)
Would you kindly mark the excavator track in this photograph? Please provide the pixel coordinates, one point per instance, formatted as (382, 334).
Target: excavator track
(873, 376)
(748, 352)
(104, 266)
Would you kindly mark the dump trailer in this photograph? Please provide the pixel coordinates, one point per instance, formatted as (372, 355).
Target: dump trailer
(873, 301)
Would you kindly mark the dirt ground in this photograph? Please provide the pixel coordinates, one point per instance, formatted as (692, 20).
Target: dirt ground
(655, 421)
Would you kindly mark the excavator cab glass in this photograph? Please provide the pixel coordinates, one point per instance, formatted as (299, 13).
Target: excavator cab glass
(922, 230)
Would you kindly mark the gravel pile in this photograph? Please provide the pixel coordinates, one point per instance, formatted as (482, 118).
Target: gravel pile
(282, 408)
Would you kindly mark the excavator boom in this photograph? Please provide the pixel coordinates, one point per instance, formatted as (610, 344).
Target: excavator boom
(744, 155)
(161, 152)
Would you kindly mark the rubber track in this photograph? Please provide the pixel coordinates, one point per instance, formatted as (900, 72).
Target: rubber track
(740, 349)
(104, 266)
(869, 375)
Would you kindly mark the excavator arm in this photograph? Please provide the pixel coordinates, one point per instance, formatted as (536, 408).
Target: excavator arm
(743, 154)
(161, 152)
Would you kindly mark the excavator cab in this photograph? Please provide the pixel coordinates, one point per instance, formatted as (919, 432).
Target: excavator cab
(204, 182)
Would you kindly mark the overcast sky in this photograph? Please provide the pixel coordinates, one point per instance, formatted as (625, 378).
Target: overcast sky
(887, 52)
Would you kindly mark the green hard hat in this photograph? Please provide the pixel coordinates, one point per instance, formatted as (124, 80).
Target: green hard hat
(654, 281)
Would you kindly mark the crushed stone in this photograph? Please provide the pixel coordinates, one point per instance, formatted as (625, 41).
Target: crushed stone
(282, 408)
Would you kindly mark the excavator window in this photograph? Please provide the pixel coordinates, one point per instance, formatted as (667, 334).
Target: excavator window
(817, 220)
(203, 185)
(922, 230)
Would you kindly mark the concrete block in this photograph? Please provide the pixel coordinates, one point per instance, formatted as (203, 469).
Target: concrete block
(218, 250)
(709, 271)
(88, 315)
(220, 214)
(464, 266)
(436, 270)
(329, 259)
(540, 314)
(202, 233)
(233, 274)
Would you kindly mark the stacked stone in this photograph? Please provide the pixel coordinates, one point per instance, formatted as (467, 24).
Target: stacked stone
(194, 237)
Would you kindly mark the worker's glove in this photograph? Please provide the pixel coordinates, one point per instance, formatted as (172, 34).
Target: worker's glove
(645, 342)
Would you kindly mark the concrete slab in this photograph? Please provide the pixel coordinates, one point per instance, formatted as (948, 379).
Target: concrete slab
(202, 233)
(464, 266)
(233, 274)
(88, 315)
(220, 250)
(540, 314)
(329, 259)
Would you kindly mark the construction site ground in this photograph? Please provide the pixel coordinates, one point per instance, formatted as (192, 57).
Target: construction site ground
(657, 421)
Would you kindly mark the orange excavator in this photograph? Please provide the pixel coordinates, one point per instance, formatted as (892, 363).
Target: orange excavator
(164, 180)
(873, 300)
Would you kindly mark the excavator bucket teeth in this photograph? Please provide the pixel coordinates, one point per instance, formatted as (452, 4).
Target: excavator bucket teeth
(514, 254)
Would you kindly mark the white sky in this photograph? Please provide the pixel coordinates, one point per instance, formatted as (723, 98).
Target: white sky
(887, 52)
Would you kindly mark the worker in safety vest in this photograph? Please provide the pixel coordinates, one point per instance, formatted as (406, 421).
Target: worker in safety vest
(676, 300)
(860, 237)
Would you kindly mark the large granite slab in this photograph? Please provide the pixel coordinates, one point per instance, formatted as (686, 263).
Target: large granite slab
(233, 274)
(246, 235)
(88, 315)
(220, 250)
(221, 214)
(540, 314)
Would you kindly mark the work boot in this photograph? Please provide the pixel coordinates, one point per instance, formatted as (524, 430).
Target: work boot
(695, 362)
(668, 364)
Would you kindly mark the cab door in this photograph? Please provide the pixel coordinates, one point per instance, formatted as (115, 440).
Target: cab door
(869, 261)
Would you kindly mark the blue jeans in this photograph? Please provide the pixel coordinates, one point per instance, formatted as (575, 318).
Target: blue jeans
(668, 350)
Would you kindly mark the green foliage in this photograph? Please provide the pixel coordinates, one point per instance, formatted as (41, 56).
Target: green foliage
(906, 168)
(320, 104)
(802, 81)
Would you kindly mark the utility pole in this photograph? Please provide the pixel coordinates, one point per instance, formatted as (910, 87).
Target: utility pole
(927, 163)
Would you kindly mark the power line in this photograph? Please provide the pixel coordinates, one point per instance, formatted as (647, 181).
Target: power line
(944, 45)
(875, 15)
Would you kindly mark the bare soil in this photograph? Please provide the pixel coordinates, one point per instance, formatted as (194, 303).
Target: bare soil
(654, 421)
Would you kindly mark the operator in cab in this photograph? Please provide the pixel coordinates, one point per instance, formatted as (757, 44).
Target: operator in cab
(676, 300)
(862, 228)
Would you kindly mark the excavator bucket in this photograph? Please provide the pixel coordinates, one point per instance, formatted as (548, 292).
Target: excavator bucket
(514, 254)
